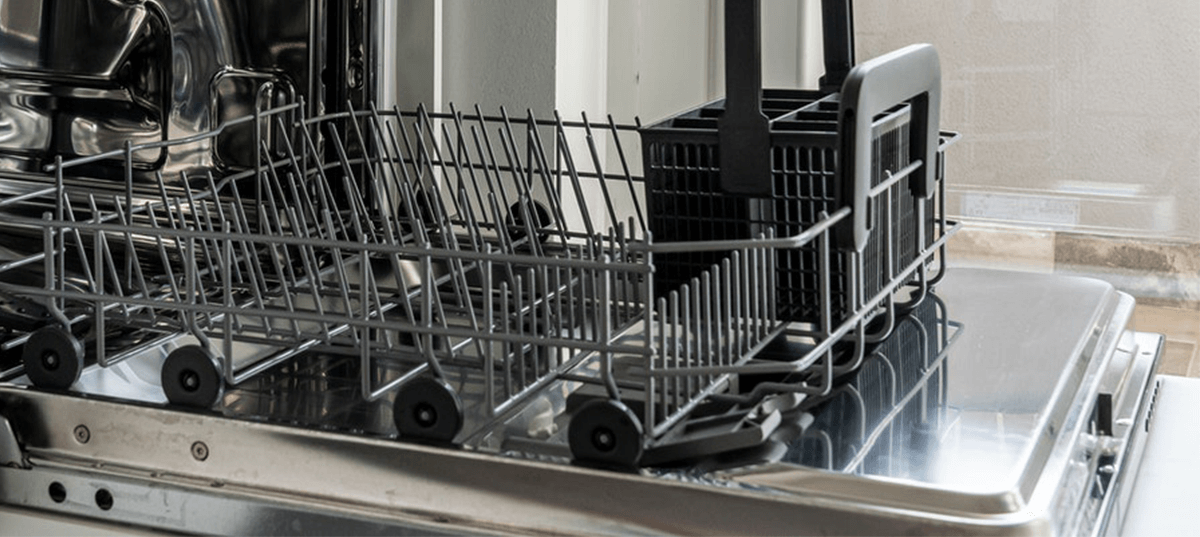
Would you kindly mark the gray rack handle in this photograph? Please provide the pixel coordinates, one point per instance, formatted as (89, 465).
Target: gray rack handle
(913, 74)
(743, 131)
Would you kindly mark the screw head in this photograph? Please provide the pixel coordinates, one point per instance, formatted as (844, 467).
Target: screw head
(82, 434)
(200, 451)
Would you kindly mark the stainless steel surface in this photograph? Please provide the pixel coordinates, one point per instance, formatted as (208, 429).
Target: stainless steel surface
(86, 77)
(986, 453)
(1017, 447)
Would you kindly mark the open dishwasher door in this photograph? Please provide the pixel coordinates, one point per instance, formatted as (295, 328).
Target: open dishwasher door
(1007, 403)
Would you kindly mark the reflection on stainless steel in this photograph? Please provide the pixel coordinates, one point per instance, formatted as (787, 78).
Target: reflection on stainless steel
(888, 416)
(141, 71)
(945, 423)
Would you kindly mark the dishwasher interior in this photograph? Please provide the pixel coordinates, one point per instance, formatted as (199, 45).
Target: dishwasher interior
(232, 283)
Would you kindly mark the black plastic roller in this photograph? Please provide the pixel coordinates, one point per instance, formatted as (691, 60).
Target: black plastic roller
(427, 409)
(606, 432)
(191, 377)
(53, 358)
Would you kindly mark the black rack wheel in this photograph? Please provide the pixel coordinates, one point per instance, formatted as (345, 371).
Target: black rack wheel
(606, 432)
(515, 221)
(191, 377)
(53, 358)
(428, 409)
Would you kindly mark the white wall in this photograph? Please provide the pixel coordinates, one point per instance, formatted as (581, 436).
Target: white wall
(499, 54)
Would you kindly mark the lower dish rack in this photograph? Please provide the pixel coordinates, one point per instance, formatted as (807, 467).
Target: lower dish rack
(469, 261)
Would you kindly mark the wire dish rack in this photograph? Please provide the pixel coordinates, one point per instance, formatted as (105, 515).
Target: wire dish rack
(469, 261)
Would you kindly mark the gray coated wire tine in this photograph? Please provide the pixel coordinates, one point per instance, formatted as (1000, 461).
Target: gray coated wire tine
(419, 234)
(620, 281)
(737, 321)
(136, 275)
(227, 301)
(312, 267)
(673, 363)
(432, 192)
(463, 152)
(748, 279)
(384, 163)
(560, 324)
(685, 336)
(271, 224)
(349, 181)
(553, 195)
(326, 200)
(281, 258)
(81, 252)
(387, 198)
(525, 180)
(606, 329)
(218, 254)
(548, 321)
(706, 320)
(339, 267)
(241, 229)
(773, 260)
(471, 224)
(275, 193)
(564, 153)
(112, 269)
(428, 294)
(524, 197)
(210, 253)
(506, 245)
(753, 293)
(466, 212)
(417, 166)
(299, 196)
(436, 160)
(697, 329)
(573, 306)
(308, 256)
(487, 168)
(719, 319)
(519, 305)
(457, 276)
(616, 136)
(506, 329)
(532, 328)
(764, 309)
(412, 156)
(192, 202)
(254, 269)
(358, 200)
(595, 153)
(454, 158)
(99, 249)
(660, 357)
(162, 250)
(461, 273)
(489, 321)
(495, 164)
(237, 211)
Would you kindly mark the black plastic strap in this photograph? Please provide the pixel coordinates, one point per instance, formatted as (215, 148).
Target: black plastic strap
(837, 26)
(744, 131)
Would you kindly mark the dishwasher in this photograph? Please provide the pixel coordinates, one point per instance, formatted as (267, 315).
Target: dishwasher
(241, 297)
